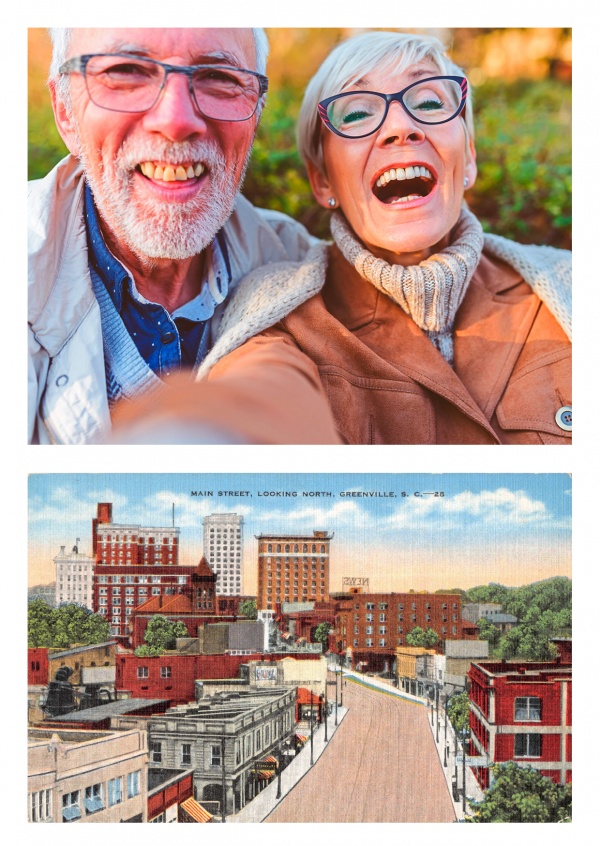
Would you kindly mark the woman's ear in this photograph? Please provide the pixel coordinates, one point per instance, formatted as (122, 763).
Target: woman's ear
(64, 120)
(470, 164)
(320, 185)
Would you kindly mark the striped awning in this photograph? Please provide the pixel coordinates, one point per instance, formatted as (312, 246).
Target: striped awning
(263, 775)
(301, 738)
(270, 759)
(196, 811)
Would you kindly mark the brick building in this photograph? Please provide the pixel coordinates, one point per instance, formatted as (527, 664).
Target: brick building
(133, 563)
(370, 626)
(293, 568)
(223, 547)
(521, 712)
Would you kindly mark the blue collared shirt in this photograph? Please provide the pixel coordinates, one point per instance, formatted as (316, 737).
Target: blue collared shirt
(166, 342)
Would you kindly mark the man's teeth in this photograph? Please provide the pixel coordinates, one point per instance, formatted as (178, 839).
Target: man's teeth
(403, 173)
(171, 173)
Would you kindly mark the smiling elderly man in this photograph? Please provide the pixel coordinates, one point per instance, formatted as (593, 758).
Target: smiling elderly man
(139, 236)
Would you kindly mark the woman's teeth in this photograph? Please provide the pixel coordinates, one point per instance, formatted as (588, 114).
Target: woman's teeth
(403, 173)
(171, 173)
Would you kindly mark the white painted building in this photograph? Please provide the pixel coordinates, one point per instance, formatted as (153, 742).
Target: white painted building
(74, 577)
(223, 545)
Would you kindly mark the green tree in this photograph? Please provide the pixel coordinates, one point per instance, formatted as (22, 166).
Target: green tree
(39, 624)
(458, 711)
(322, 632)
(488, 631)
(248, 609)
(160, 635)
(422, 637)
(64, 626)
(521, 794)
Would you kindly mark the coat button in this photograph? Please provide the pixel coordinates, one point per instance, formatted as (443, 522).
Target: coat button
(564, 418)
(168, 337)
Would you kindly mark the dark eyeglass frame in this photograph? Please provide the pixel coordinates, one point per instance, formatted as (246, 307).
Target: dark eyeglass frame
(78, 64)
(398, 97)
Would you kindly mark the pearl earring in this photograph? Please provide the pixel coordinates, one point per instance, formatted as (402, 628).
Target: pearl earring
(466, 182)
(332, 202)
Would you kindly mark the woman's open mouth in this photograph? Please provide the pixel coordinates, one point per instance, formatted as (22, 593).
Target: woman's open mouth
(402, 185)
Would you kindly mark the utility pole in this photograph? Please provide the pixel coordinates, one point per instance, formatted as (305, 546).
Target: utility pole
(464, 803)
(437, 713)
(336, 698)
(326, 738)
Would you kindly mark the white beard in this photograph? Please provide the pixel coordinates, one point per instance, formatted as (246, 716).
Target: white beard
(159, 229)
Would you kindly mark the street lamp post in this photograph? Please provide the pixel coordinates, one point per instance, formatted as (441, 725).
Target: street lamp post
(341, 684)
(312, 722)
(464, 751)
(326, 738)
(336, 698)
(437, 714)
(279, 760)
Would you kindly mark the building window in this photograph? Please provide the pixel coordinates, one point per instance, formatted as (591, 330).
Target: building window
(40, 806)
(70, 806)
(369, 630)
(93, 799)
(215, 756)
(370, 606)
(115, 793)
(528, 745)
(382, 630)
(369, 641)
(382, 641)
(528, 708)
(186, 754)
(142, 672)
(165, 672)
(156, 751)
(133, 784)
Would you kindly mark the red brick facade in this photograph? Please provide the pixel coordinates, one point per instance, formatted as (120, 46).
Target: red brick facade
(293, 568)
(522, 712)
(381, 621)
(37, 665)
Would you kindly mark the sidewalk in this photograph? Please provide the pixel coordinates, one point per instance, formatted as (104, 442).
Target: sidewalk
(262, 805)
(446, 736)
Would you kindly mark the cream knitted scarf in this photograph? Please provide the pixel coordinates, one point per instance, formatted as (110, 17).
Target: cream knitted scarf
(430, 292)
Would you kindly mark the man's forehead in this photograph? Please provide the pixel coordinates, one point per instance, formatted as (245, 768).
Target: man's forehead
(230, 45)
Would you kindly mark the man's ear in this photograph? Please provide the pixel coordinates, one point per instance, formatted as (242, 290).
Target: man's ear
(470, 163)
(320, 185)
(64, 120)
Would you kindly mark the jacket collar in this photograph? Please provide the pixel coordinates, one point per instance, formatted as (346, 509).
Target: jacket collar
(497, 306)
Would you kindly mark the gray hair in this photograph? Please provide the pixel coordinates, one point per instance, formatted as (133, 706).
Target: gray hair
(61, 40)
(357, 57)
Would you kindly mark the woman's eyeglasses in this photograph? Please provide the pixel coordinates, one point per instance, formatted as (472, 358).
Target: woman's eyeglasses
(356, 114)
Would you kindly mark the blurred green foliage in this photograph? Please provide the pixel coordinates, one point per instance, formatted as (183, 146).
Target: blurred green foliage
(523, 141)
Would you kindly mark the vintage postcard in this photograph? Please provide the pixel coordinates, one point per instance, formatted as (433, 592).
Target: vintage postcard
(218, 648)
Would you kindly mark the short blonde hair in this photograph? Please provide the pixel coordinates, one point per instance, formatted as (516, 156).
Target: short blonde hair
(357, 57)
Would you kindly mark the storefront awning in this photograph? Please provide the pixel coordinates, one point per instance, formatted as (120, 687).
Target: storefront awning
(196, 811)
(263, 775)
(302, 738)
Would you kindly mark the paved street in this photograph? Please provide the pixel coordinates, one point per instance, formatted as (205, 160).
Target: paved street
(381, 766)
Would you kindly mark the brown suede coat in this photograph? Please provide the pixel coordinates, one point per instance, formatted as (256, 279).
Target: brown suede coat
(387, 384)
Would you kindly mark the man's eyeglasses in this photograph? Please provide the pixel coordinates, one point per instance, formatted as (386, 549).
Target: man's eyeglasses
(356, 114)
(122, 82)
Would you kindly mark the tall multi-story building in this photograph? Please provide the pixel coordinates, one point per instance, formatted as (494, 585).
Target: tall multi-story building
(74, 577)
(223, 545)
(132, 564)
(293, 568)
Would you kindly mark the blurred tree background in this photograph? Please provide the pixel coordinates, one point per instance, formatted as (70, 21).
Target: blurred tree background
(521, 79)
